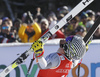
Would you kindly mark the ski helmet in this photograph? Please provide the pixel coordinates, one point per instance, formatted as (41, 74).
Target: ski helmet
(74, 47)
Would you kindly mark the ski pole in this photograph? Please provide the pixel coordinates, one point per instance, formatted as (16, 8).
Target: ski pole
(79, 68)
(30, 65)
(89, 35)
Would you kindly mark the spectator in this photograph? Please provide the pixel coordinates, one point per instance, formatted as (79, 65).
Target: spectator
(97, 15)
(24, 17)
(44, 24)
(53, 15)
(38, 9)
(97, 33)
(29, 31)
(0, 21)
(91, 14)
(38, 15)
(0, 24)
(83, 18)
(80, 30)
(62, 10)
(91, 19)
(9, 21)
(60, 16)
(73, 24)
(15, 28)
(5, 18)
(89, 24)
(67, 32)
(45, 27)
(5, 35)
(50, 19)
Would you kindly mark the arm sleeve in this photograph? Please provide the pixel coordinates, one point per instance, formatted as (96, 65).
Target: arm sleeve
(21, 31)
(37, 30)
(60, 34)
(51, 61)
(42, 63)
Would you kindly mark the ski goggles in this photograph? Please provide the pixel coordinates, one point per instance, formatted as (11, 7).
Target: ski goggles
(68, 47)
(5, 27)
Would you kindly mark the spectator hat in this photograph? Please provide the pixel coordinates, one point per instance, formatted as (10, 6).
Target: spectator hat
(84, 15)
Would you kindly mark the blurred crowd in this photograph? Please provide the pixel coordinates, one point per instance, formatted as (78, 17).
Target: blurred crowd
(30, 28)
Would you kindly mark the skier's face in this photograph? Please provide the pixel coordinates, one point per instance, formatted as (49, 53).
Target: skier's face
(62, 42)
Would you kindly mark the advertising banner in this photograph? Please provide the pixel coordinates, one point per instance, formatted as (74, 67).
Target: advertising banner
(90, 66)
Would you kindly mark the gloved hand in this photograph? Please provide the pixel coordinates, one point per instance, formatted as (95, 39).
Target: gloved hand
(37, 47)
(87, 45)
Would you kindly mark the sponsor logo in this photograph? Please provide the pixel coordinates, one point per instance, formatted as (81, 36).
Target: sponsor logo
(23, 70)
(69, 18)
(20, 71)
(68, 66)
(57, 27)
(62, 58)
(86, 2)
(7, 70)
(46, 36)
(62, 71)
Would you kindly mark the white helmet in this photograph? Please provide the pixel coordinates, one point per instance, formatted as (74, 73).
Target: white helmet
(74, 47)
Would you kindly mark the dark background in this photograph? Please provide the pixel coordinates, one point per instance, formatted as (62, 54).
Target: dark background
(18, 7)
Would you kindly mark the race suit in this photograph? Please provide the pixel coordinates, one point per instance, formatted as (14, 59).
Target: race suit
(58, 65)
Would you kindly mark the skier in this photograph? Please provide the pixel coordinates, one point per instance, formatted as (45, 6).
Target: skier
(58, 64)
